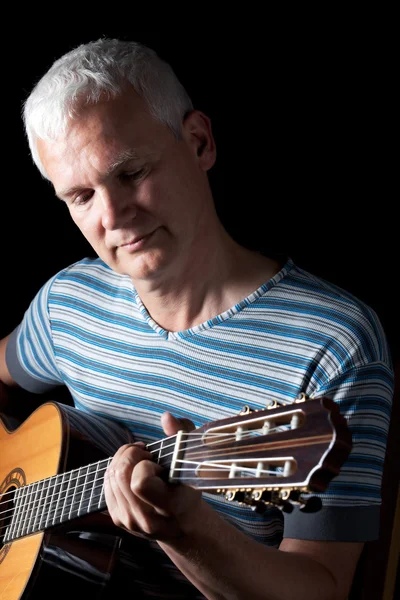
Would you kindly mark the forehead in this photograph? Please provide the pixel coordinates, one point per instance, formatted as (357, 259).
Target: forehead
(104, 133)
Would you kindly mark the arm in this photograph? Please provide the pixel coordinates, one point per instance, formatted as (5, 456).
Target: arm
(5, 378)
(16, 403)
(224, 563)
(30, 368)
(221, 561)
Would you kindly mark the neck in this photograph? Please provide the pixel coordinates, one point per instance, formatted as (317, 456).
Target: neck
(217, 274)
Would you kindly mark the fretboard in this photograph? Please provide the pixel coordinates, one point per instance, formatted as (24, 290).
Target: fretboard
(50, 502)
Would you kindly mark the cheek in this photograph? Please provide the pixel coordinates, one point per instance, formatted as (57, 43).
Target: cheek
(169, 199)
(89, 225)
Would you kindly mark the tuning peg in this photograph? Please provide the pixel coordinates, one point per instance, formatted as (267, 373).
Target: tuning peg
(241, 496)
(261, 507)
(285, 506)
(246, 410)
(272, 404)
(313, 504)
(300, 398)
(284, 499)
(279, 499)
(307, 505)
(234, 496)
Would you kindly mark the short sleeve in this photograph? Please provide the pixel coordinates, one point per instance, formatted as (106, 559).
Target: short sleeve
(364, 392)
(30, 353)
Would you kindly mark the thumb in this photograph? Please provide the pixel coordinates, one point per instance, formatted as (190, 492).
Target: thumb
(172, 425)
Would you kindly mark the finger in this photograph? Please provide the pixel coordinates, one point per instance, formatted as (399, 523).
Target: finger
(117, 505)
(109, 495)
(125, 448)
(120, 469)
(141, 515)
(147, 486)
(172, 425)
(119, 496)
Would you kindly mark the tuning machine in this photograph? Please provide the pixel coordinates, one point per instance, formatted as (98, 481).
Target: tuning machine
(243, 496)
(262, 499)
(284, 499)
(246, 410)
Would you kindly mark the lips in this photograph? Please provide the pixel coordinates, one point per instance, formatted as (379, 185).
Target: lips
(134, 240)
(137, 242)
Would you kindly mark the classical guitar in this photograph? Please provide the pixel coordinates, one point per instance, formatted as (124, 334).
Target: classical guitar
(52, 468)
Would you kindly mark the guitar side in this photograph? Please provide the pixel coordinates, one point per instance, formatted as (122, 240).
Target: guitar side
(55, 439)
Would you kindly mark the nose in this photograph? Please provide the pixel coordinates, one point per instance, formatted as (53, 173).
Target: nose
(118, 209)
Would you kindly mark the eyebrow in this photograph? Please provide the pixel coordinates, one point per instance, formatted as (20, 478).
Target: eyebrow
(122, 158)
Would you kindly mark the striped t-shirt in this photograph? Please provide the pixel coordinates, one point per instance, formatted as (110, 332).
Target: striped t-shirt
(88, 329)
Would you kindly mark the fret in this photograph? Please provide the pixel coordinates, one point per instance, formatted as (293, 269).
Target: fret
(102, 502)
(76, 492)
(45, 507)
(34, 506)
(159, 452)
(96, 473)
(15, 518)
(54, 498)
(165, 460)
(86, 491)
(31, 507)
(27, 508)
(82, 491)
(67, 494)
(39, 508)
(23, 506)
(58, 495)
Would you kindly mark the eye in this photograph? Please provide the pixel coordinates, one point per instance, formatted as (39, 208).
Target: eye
(82, 199)
(132, 175)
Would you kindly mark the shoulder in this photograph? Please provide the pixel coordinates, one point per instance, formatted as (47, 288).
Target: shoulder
(322, 306)
(90, 275)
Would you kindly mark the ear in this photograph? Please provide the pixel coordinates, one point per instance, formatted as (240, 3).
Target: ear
(197, 133)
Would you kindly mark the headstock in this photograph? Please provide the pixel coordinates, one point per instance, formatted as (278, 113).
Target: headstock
(277, 456)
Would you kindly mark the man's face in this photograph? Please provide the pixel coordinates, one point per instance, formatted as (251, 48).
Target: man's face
(139, 196)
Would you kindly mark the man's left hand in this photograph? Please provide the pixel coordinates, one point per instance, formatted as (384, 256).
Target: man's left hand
(140, 500)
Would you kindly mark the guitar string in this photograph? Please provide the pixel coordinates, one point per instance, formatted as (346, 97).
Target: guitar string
(162, 448)
(87, 502)
(62, 476)
(35, 504)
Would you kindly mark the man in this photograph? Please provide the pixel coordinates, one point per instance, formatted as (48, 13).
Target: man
(176, 319)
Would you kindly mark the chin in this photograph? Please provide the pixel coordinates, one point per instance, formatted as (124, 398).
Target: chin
(145, 268)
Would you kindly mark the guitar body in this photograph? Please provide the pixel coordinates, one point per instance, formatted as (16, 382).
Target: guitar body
(55, 439)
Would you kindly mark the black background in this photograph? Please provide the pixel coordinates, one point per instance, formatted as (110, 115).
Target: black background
(302, 126)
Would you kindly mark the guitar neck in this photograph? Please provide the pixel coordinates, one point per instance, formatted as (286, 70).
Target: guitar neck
(269, 456)
(64, 497)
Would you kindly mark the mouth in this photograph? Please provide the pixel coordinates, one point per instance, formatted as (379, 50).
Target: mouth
(137, 243)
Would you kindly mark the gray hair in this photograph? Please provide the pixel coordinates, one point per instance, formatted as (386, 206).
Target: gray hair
(96, 70)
